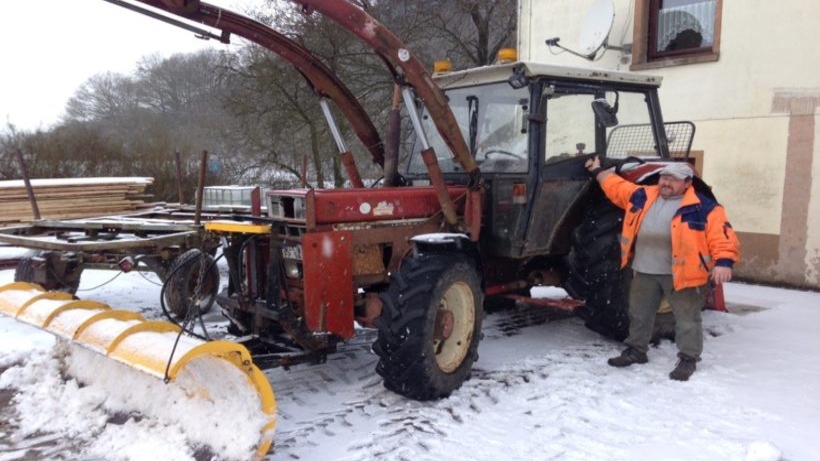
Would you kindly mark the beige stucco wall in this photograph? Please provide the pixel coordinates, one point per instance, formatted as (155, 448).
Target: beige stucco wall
(746, 168)
(766, 49)
(813, 241)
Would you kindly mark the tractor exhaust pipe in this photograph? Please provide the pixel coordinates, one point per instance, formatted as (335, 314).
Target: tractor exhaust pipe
(391, 149)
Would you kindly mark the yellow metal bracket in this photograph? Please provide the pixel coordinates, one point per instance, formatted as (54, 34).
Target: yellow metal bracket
(236, 227)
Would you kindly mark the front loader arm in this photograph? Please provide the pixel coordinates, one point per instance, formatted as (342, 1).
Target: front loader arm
(397, 56)
(403, 65)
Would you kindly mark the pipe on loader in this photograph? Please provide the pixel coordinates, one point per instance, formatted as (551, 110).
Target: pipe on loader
(128, 338)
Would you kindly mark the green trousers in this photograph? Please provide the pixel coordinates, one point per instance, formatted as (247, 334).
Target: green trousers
(645, 294)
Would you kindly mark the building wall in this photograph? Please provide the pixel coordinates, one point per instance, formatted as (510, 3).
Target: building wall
(756, 112)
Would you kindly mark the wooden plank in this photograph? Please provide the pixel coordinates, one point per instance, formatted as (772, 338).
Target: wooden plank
(74, 198)
(59, 182)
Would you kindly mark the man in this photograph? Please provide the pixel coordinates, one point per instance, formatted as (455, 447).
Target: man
(675, 239)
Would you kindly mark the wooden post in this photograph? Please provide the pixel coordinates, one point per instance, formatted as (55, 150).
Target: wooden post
(178, 159)
(200, 187)
(29, 190)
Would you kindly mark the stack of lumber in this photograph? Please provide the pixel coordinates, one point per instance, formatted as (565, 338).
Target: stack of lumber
(72, 198)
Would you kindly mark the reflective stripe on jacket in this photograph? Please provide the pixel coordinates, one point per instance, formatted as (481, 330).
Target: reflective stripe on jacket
(701, 234)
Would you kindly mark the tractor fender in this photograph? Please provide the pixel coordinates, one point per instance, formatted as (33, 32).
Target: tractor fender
(446, 242)
(441, 240)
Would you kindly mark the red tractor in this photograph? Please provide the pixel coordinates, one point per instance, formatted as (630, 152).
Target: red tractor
(493, 200)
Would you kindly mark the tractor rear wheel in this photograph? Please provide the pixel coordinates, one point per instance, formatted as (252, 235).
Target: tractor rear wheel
(595, 273)
(430, 326)
(183, 287)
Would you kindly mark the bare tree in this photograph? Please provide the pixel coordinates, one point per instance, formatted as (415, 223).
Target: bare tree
(257, 116)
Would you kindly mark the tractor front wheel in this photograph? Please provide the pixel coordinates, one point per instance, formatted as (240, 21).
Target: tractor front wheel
(430, 326)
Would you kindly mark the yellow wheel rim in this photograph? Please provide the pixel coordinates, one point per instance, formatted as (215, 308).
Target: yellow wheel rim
(453, 330)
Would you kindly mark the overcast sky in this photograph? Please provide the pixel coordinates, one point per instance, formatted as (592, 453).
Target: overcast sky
(48, 48)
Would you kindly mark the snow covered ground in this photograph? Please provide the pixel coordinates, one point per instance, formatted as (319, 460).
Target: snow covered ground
(541, 390)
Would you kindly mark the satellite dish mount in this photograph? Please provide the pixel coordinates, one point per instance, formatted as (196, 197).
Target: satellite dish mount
(595, 32)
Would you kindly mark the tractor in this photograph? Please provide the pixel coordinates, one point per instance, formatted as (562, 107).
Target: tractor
(492, 200)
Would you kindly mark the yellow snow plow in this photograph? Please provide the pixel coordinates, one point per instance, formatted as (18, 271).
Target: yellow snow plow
(216, 378)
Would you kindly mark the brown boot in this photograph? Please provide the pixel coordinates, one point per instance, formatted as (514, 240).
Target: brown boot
(628, 357)
(684, 369)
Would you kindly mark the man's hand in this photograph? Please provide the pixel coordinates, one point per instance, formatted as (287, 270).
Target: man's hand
(721, 274)
(592, 163)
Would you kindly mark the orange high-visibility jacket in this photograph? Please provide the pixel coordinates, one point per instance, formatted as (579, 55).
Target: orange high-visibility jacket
(701, 234)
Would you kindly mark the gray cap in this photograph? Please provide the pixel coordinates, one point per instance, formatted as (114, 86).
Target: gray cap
(679, 170)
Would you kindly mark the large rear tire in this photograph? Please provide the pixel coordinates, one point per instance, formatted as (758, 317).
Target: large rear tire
(595, 274)
(181, 287)
(430, 326)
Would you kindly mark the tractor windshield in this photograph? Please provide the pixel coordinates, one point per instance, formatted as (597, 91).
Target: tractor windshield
(493, 120)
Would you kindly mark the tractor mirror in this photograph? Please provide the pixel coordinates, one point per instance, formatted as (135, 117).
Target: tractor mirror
(522, 116)
(605, 114)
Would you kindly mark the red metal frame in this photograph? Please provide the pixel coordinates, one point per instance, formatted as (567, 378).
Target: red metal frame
(350, 205)
(332, 206)
(566, 304)
(328, 277)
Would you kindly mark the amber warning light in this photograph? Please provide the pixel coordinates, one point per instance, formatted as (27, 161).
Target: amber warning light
(442, 65)
(507, 55)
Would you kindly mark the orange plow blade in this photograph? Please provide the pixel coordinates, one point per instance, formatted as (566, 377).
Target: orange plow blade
(178, 375)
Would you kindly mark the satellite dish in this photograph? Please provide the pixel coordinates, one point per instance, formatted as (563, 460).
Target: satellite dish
(597, 26)
(595, 32)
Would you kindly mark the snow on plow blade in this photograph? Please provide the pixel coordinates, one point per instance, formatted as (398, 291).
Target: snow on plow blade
(213, 379)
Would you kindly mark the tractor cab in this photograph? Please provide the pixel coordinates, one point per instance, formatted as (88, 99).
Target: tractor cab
(530, 127)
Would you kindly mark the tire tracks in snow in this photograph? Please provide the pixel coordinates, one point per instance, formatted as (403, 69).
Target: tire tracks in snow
(319, 404)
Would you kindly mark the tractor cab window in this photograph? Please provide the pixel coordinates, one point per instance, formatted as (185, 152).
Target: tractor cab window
(493, 120)
(607, 122)
(570, 125)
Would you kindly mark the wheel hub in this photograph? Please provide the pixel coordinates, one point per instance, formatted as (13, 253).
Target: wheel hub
(444, 325)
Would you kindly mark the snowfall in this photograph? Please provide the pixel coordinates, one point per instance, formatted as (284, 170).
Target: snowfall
(541, 390)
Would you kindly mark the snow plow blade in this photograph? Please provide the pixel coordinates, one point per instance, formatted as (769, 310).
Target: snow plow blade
(211, 374)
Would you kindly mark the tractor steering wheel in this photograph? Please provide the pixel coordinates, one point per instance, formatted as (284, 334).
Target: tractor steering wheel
(502, 152)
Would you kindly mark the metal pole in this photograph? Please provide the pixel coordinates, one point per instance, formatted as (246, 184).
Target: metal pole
(334, 127)
(29, 190)
(178, 159)
(200, 188)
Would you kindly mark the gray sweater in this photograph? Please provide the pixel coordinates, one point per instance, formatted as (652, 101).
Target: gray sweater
(653, 247)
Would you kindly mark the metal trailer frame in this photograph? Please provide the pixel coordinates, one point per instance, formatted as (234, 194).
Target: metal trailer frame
(66, 247)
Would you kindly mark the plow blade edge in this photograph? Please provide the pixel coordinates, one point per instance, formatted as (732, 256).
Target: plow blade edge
(216, 378)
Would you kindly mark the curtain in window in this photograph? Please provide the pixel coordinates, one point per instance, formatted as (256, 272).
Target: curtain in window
(686, 26)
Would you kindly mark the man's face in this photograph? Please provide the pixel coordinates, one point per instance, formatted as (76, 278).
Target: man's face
(671, 186)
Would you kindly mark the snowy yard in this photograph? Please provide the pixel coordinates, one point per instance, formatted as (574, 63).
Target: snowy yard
(541, 390)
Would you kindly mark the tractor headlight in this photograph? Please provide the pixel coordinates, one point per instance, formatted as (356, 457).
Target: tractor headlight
(293, 269)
